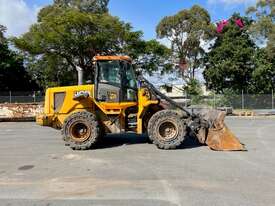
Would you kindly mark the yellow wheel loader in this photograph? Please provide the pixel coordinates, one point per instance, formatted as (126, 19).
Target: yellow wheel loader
(118, 103)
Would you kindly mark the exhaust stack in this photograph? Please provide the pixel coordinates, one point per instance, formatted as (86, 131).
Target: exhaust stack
(79, 75)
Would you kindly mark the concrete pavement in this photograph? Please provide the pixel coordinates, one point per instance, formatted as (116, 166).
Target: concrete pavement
(37, 169)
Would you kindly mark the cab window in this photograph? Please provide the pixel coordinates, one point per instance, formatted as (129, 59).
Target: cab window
(130, 77)
(109, 72)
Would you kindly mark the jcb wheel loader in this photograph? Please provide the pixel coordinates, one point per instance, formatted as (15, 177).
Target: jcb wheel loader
(118, 102)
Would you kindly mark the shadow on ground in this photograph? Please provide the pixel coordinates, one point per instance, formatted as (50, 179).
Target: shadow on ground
(110, 141)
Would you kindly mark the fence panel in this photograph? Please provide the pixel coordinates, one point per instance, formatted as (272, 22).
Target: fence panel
(21, 97)
(243, 101)
(263, 101)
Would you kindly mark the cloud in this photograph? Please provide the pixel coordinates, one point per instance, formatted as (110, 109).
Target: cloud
(17, 16)
(232, 2)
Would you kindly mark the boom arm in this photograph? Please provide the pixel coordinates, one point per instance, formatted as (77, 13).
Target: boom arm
(208, 127)
(162, 96)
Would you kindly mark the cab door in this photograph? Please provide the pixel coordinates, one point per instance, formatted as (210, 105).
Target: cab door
(129, 83)
(108, 81)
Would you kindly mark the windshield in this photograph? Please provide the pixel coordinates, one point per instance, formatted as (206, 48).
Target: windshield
(109, 72)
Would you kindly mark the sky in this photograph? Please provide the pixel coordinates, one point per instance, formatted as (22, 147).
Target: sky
(18, 15)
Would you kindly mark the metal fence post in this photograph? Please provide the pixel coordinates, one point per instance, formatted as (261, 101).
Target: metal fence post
(214, 105)
(242, 100)
(186, 100)
(272, 97)
(34, 99)
(10, 96)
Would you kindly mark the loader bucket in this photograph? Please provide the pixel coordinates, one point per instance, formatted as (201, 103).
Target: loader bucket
(220, 137)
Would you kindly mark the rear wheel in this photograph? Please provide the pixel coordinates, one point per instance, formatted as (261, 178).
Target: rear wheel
(166, 129)
(81, 130)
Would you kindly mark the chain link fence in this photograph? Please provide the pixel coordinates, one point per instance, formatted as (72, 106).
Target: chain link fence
(242, 101)
(21, 97)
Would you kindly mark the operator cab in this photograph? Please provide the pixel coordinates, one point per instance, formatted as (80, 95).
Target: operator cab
(115, 80)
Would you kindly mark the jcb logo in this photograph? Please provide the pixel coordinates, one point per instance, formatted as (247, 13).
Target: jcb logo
(81, 94)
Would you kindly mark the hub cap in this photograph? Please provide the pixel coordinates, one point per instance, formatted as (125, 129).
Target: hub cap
(167, 130)
(80, 131)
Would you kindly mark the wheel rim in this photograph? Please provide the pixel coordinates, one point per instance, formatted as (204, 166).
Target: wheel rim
(80, 131)
(167, 130)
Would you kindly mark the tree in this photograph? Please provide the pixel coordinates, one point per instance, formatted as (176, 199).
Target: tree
(72, 38)
(94, 6)
(51, 70)
(263, 77)
(230, 63)
(264, 26)
(13, 76)
(66, 37)
(151, 56)
(186, 30)
(2, 31)
(77, 36)
(194, 88)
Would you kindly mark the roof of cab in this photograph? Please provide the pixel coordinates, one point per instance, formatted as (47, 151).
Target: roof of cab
(125, 58)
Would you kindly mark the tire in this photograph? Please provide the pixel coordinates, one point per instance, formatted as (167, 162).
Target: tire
(65, 138)
(81, 130)
(166, 129)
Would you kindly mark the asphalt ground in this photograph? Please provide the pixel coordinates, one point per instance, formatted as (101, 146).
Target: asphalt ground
(37, 169)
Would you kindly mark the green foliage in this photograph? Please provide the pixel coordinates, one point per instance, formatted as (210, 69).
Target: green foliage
(2, 31)
(51, 71)
(13, 75)
(264, 26)
(227, 99)
(230, 63)
(185, 31)
(70, 33)
(194, 91)
(76, 36)
(193, 88)
(94, 6)
(152, 56)
(263, 77)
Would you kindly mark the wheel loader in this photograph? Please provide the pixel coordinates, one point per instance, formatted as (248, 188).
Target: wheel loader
(119, 102)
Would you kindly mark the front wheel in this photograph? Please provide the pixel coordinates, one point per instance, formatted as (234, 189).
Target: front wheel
(81, 130)
(166, 129)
